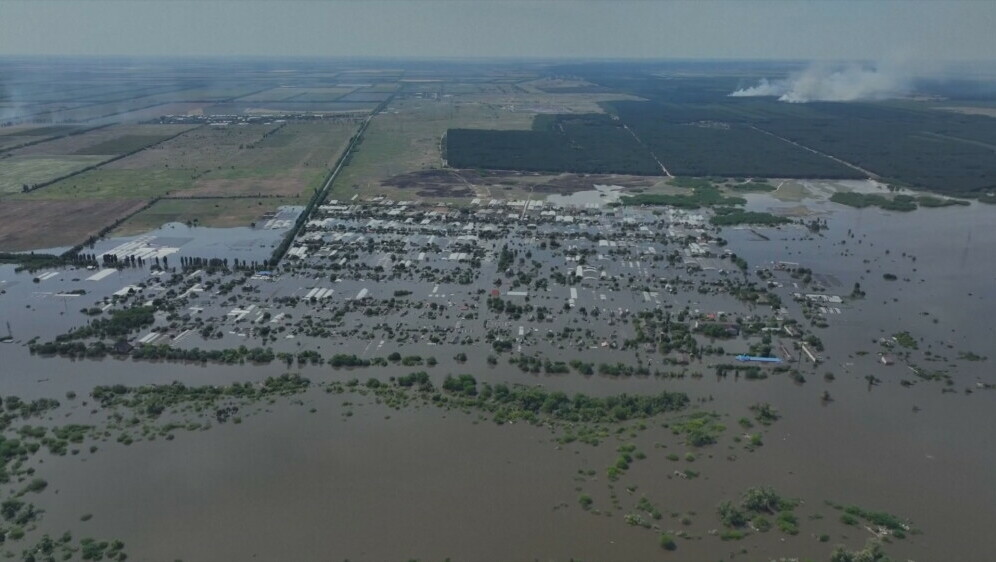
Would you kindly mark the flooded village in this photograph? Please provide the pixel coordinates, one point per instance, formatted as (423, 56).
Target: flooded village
(782, 359)
(497, 281)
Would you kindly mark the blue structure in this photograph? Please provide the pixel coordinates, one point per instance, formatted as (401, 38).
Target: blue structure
(745, 357)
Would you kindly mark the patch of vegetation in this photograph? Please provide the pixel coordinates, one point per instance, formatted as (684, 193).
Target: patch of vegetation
(699, 428)
(727, 216)
(903, 203)
(120, 323)
(931, 201)
(153, 400)
(694, 142)
(872, 552)
(878, 518)
(31, 261)
(754, 504)
(702, 196)
(585, 501)
(905, 339)
(765, 413)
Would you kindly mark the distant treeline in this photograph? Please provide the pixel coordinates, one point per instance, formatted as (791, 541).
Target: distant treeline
(694, 128)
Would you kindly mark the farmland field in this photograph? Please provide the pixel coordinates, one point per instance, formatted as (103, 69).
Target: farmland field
(218, 161)
(104, 183)
(297, 94)
(28, 225)
(288, 106)
(13, 137)
(19, 171)
(219, 213)
(113, 140)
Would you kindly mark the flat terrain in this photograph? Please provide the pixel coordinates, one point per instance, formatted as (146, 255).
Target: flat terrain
(252, 160)
(19, 171)
(47, 161)
(13, 137)
(297, 94)
(27, 225)
(292, 161)
(218, 213)
(406, 138)
(116, 139)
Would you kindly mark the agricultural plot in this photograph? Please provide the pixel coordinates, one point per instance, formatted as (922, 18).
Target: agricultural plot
(26, 225)
(14, 137)
(382, 87)
(286, 93)
(219, 213)
(365, 96)
(291, 162)
(20, 172)
(30, 166)
(98, 111)
(251, 160)
(209, 94)
(287, 107)
(104, 184)
(111, 141)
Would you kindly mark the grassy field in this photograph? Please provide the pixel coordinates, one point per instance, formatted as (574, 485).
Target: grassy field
(122, 144)
(117, 139)
(17, 171)
(247, 160)
(291, 162)
(221, 213)
(30, 225)
(11, 137)
(105, 183)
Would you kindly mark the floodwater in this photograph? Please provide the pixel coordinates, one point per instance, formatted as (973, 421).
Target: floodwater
(242, 243)
(422, 482)
(598, 197)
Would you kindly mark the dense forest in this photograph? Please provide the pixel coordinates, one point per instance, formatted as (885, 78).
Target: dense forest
(695, 129)
(577, 143)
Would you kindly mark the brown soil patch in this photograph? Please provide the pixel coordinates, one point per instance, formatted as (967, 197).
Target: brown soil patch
(28, 225)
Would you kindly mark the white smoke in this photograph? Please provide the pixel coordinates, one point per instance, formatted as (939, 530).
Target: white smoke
(826, 83)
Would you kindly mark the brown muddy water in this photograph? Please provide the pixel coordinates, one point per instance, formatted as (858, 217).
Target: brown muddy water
(383, 484)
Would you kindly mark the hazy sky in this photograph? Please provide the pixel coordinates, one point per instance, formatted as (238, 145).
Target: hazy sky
(794, 29)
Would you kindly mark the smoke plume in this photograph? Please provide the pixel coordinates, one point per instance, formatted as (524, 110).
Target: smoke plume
(826, 83)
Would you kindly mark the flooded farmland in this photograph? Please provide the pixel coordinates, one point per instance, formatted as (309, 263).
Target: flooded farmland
(882, 387)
